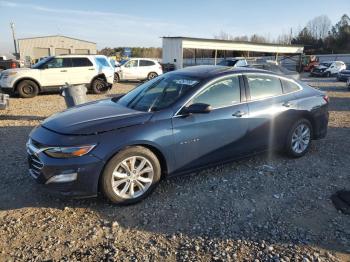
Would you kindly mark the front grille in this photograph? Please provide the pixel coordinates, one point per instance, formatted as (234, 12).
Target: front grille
(34, 162)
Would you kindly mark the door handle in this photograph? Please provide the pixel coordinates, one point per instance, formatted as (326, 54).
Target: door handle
(238, 114)
(286, 104)
(63, 70)
(91, 69)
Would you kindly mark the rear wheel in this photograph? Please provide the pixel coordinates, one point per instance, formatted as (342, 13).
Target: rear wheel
(99, 86)
(27, 89)
(131, 175)
(298, 140)
(152, 75)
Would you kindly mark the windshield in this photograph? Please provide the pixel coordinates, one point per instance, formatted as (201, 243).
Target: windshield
(326, 64)
(123, 62)
(158, 93)
(41, 62)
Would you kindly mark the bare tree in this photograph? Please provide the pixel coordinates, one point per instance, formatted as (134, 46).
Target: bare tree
(319, 26)
(224, 36)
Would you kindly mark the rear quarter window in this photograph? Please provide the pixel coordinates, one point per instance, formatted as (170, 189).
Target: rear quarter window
(102, 62)
(289, 86)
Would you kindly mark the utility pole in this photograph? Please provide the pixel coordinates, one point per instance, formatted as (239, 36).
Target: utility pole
(14, 36)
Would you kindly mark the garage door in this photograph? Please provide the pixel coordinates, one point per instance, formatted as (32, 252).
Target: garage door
(62, 51)
(41, 52)
(82, 51)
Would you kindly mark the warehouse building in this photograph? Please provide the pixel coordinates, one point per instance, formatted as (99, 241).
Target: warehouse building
(34, 48)
(173, 49)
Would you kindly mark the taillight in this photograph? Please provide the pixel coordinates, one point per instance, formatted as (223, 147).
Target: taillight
(13, 65)
(326, 98)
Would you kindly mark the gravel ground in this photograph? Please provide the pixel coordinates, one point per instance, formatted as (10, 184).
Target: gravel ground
(265, 208)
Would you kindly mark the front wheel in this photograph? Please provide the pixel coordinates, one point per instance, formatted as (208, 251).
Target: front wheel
(99, 86)
(328, 74)
(298, 140)
(131, 175)
(27, 89)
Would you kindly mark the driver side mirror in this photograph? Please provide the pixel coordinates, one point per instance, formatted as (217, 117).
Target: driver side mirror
(197, 108)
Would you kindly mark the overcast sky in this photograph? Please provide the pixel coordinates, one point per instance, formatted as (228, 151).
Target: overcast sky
(115, 23)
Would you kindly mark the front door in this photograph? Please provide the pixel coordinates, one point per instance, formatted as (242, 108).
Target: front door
(201, 139)
(56, 72)
(130, 70)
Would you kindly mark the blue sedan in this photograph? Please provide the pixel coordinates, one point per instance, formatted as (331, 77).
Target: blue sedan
(179, 122)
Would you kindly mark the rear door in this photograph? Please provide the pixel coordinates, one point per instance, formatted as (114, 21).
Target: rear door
(201, 139)
(82, 70)
(145, 67)
(272, 107)
(56, 72)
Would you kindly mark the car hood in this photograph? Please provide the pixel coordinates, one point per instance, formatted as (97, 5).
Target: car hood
(95, 117)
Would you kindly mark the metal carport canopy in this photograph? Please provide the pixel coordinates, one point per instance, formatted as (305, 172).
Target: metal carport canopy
(171, 46)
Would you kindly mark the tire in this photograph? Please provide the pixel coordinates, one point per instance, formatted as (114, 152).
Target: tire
(152, 75)
(99, 86)
(113, 182)
(328, 74)
(27, 89)
(116, 78)
(292, 141)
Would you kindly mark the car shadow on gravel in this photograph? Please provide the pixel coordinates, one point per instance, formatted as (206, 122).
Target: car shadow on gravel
(266, 197)
(22, 117)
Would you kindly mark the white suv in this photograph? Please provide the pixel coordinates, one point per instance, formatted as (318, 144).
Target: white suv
(328, 68)
(137, 69)
(53, 72)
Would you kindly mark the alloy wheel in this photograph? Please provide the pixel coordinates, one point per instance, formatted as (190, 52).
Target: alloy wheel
(301, 138)
(152, 75)
(132, 177)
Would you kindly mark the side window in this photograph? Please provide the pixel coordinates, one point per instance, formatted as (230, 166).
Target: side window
(220, 94)
(59, 63)
(80, 62)
(132, 63)
(262, 86)
(146, 63)
(289, 86)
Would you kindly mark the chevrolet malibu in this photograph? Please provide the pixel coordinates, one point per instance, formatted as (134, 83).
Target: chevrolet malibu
(177, 123)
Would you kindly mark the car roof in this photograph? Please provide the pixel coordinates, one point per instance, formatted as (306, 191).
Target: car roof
(143, 58)
(329, 62)
(76, 55)
(209, 71)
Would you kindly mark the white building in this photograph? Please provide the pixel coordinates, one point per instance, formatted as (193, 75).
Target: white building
(37, 47)
(173, 48)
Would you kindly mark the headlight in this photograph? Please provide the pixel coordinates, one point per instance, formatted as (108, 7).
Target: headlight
(68, 152)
